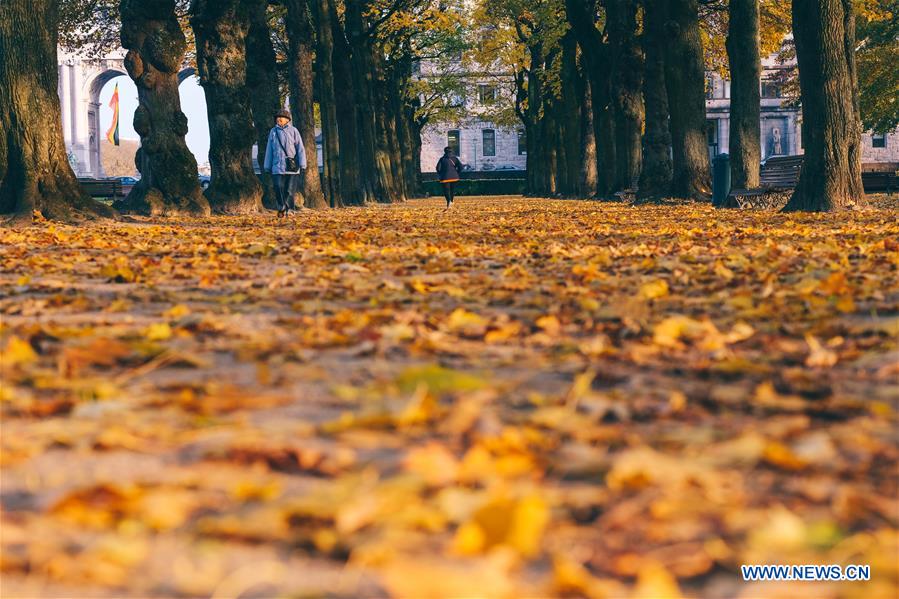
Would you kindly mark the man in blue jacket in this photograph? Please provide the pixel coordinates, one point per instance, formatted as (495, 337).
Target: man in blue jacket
(285, 158)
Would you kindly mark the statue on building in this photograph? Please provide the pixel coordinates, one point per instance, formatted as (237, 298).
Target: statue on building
(776, 147)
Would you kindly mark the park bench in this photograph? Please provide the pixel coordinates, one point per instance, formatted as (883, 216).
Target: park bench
(102, 188)
(778, 176)
(881, 177)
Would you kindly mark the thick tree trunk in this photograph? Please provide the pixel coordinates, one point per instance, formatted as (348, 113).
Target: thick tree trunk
(35, 174)
(262, 82)
(685, 83)
(353, 191)
(537, 164)
(745, 72)
(582, 18)
(375, 172)
(627, 92)
(570, 120)
(302, 103)
(588, 142)
(220, 28)
(327, 101)
(830, 179)
(655, 176)
(156, 47)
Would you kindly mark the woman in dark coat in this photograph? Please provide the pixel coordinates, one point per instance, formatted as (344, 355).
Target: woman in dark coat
(448, 169)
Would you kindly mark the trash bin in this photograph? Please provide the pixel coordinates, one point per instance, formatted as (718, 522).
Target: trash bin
(720, 179)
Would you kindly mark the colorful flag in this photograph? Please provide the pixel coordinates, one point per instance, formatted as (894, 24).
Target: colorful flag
(113, 134)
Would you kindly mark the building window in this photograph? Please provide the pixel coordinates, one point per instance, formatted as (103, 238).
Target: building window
(771, 89)
(452, 140)
(522, 142)
(487, 94)
(489, 138)
(878, 140)
(711, 131)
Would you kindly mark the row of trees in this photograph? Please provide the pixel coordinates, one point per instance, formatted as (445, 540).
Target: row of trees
(612, 92)
(346, 64)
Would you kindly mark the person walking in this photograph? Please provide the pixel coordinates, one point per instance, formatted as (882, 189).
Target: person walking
(448, 169)
(285, 158)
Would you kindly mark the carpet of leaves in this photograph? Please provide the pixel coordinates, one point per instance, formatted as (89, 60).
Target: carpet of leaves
(511, 398)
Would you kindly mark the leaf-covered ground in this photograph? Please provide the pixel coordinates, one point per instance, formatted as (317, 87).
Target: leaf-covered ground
(513, 398)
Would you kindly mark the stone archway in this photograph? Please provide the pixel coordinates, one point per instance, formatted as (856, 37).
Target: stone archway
(106, 71)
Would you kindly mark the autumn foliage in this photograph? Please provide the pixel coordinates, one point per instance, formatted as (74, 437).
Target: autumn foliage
(512, 398)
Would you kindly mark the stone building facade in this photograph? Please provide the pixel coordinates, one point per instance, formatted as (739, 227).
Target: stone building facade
(781, 133)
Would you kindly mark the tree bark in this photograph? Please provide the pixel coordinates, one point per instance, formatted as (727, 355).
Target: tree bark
(302, 103)
(262, 82)
(627, 90)
(830, 179)
(582, 19)
(156, 47)
(375, 172)
(743, 57)
(35, 174)
(685, 83)
(220, 28)
(327, 101)
(353, 190)
(570, 121)
(588, 142)
(655, 175)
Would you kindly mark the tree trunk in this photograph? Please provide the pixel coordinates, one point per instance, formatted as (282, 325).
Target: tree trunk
(156, 47)
(588, 142)
(353, 191)
(571, 117)
(627, 92)
(35, 174)
(655, 176)
(262, 82)
(745, 72)
(327, 100)
(220, 28)
(302, 102)
(582, 19)
(375, 163)
(685, 83)
(830, 178)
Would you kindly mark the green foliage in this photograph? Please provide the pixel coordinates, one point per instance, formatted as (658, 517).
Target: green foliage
(877, 32)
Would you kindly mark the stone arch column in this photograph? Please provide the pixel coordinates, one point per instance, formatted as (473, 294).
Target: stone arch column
(88, 131)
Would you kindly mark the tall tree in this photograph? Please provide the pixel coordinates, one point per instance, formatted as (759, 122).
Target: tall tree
(830, 179)
(595, 55)
(685, 84)
(327, 100)
(354, 189)
(220, 28)
(35, 174)
(627, 89)
(262, 82)
(300, 75)
(655, 175)
(156, 47)
(745, 73)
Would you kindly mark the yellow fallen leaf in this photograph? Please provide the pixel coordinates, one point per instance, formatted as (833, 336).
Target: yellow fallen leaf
(654, 289)
(17, 351)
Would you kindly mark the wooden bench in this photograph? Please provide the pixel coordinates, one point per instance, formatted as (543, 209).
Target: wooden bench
(881, 177)
(778, 177)
(102, 188)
